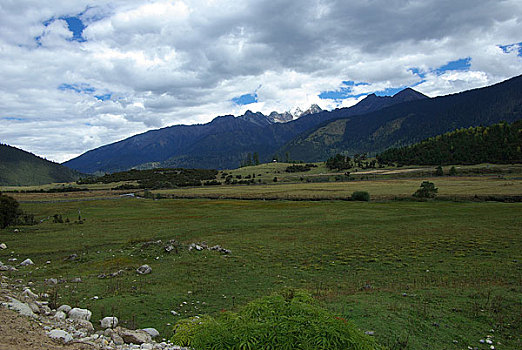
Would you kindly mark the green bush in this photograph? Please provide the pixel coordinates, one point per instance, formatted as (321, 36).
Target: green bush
(361, 196)
(291, 320)
(8, 210)
(427, 190)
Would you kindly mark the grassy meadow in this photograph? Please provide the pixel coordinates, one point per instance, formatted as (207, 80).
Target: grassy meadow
(436, 274)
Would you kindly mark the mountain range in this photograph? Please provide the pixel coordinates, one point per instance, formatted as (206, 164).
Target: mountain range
(225, 141)
(370, 126)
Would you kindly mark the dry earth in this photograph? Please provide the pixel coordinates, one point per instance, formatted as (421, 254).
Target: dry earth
(20, 333)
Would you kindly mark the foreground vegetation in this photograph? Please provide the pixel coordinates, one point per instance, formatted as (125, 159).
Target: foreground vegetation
(439, 275)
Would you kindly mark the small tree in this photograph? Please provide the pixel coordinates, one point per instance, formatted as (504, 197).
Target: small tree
(361, 196)
(8, 210)
(439, 171)
(427, 190)
(452, 171)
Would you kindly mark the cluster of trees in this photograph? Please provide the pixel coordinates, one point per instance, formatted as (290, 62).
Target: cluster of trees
(251, 159)
(298, 168)
(158, 178)
(498, 143)
(340, 162)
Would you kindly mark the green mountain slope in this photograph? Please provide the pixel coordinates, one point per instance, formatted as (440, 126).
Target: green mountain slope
(21, 168)
(407, 123)
(498, 143)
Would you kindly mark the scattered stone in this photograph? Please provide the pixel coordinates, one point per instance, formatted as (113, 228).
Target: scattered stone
(84, 324)
(28, 294)
(21, 308)
(27, 262)
(144, 269)
(58, 334)
(153, 332)
(133, 336)
(3, 246)
(370, 333)
(80, 314)
(71, 257)
(109, 322)
(76, 280)
(51, 281)
(34, 308)
(60, 316)
(220, 249)
(65, 308)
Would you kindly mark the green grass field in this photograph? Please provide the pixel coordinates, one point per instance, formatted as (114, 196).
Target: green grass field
(437, 275)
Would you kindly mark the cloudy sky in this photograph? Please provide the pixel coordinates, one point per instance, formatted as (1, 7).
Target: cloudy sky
(75, 75)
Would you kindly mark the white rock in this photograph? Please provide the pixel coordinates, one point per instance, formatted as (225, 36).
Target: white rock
(21, 308)
(109, 322)
(144, 269)
(80, 314)
(146, 346)
(27, 262)
(3, 246)
(135, 337)
(60, 315)
(153, 332)
(28, 294)
(65, 308)
(58, 334)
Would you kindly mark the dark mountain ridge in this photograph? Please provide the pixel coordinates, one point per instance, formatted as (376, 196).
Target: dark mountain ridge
(222, 143)
(409, 122)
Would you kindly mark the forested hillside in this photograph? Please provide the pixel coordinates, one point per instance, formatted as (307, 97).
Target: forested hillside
(19, 168)
(498, 143)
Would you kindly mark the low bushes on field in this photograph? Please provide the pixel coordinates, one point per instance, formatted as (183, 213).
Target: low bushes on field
(361, 196)
(291, 320)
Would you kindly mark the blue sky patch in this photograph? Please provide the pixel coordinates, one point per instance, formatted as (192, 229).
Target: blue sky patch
(76, 26)
(245, 99)
(13, 118)
(511, 47)
(103, 97)
(460, 64)
(79, 88)
(343, 93)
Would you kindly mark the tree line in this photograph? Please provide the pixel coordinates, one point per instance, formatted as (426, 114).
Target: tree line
(498, 143)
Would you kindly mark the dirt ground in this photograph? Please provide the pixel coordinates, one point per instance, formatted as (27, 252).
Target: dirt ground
(21, 333)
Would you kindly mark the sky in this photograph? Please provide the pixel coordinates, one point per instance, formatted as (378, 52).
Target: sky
(76, 75)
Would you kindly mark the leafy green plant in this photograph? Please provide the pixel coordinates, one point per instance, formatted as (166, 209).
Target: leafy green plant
(361, 196)
(289, 320)
(427, 190)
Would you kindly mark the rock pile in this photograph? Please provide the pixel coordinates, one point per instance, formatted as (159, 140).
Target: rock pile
(72, 325)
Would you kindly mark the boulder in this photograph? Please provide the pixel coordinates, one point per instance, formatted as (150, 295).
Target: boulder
(144, 269)
(58, 334)
(80, 314)
(153, 332)
(133, 336)
(109, 322)
(65, 308)
(28, 294)
(27, 262)
(21, 308)
(83, 324)
(60, 316)
(3, 246)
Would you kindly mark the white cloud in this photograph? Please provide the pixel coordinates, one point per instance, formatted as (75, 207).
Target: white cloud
(166, 62)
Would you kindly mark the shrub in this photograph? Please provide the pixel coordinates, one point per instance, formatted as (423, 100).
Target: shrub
(8, 210)
(291, 320)
(439, 171)
(452, 171)
(427, 190)
(361, 196)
